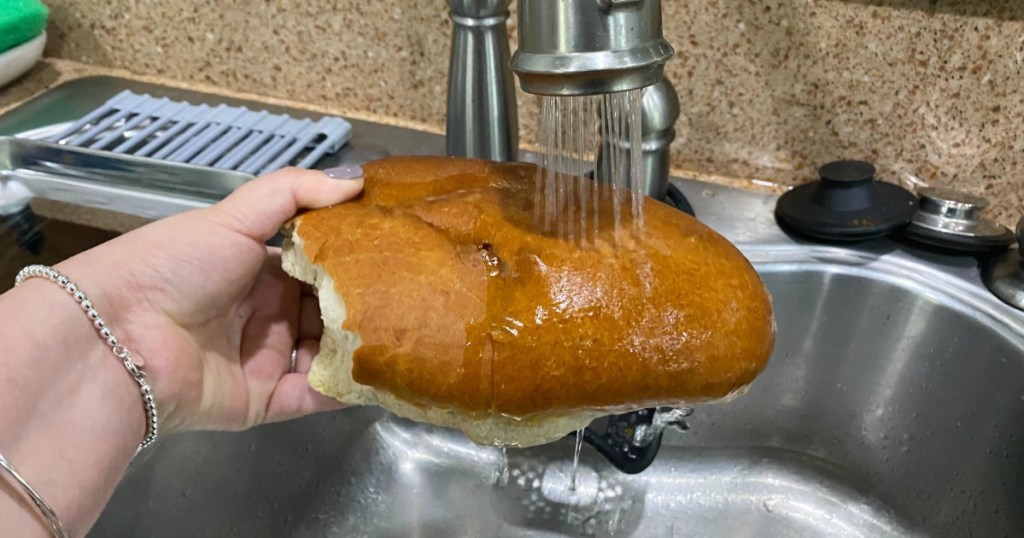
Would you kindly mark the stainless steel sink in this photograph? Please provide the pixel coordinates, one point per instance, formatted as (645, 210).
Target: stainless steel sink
(893, 405)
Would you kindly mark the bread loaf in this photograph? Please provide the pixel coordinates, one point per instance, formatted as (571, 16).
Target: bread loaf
(446, 300)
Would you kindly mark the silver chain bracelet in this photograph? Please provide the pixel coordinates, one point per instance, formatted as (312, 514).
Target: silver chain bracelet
(121, 352)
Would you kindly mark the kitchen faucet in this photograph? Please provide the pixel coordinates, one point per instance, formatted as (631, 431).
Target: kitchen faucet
(566, 48)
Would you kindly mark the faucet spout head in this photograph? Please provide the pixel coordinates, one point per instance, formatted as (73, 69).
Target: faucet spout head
(586, 47)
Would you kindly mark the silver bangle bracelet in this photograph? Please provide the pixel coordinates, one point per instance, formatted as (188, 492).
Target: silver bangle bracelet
(121, 352)
(56, 527)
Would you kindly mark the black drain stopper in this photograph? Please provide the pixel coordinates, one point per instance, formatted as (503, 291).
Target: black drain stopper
(846, 205)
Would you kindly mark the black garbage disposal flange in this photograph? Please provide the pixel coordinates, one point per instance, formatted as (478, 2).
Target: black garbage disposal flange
(847, 204)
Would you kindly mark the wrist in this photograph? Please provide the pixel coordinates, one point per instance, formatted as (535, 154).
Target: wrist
(70, 358)
(111, 349)
(71, 411)
(138, 325)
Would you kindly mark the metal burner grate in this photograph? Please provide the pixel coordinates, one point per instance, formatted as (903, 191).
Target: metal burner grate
(229, 138)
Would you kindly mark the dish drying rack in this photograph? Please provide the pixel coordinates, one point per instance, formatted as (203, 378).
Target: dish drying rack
(154, 156)
(224, 137)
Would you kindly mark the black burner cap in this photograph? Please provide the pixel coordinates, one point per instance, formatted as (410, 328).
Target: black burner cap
(847, 204)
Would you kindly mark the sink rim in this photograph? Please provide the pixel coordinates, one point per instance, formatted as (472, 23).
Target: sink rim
(962, 291)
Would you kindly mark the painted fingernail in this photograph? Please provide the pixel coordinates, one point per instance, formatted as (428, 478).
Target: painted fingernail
(349, 171)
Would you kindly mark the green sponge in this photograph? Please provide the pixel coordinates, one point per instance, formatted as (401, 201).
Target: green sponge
(20, 21)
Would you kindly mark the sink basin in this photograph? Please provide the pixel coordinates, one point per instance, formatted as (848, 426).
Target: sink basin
(893, 406)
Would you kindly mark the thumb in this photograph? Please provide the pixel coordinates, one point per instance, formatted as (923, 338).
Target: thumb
(261, 206)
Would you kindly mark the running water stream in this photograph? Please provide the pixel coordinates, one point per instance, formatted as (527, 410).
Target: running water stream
(576, 460)
(582, 137)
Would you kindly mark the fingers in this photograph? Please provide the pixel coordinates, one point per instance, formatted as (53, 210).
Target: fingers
(304, 353)
(293, 397)
(259, 208)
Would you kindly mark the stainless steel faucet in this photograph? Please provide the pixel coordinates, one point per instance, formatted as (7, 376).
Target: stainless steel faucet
(566, 47)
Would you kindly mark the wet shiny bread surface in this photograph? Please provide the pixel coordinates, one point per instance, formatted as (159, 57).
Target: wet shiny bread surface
(463, 301)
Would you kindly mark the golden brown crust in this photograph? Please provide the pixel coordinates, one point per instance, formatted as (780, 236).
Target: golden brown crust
(462, 301)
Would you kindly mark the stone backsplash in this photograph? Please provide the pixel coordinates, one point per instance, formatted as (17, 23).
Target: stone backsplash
(932, 91)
